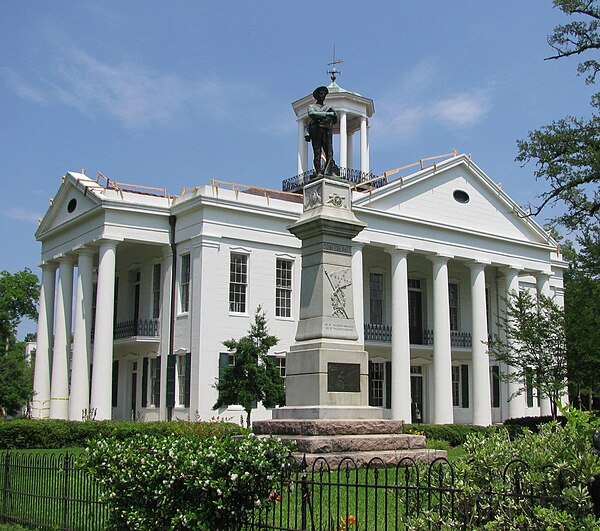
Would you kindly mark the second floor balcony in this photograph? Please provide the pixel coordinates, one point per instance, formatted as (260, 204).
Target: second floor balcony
(142, 329)
(383, 333)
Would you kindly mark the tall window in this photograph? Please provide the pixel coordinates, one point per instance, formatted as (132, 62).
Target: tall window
(460, 386)
(156, 273)
(185, 283)
(155, 382)
(495, 380)
(182, 372)
(377, 382)
(453, 303)
(455, 385)
(376, 293)
(238, 282)
(283, 288)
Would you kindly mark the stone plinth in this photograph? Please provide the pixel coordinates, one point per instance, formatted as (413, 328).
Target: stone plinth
(360, 440)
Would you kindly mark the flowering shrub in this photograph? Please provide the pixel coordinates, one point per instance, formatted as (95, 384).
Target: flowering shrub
(153, 482)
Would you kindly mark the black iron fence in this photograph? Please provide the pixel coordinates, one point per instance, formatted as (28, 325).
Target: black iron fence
(52, 492)
(351, 175)
(49, 491)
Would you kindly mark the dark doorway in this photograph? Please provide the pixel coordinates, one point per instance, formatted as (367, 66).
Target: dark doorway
(415, 317)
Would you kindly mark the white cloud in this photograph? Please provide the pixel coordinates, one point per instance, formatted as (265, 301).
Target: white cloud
(134, 95)
(22, 214)
(462, 110)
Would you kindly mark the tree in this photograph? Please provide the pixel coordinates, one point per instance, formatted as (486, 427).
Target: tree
(567, 152)
(16, 380)
(253, 377)
(582, 316)
(535, 346)
(19, 294)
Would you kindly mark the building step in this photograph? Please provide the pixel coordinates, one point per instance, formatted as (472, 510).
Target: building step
(355, 443)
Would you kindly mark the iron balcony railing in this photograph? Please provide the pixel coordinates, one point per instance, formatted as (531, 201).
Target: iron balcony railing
(296, 183)
(133, 328)
(141, 327)
(376, 332)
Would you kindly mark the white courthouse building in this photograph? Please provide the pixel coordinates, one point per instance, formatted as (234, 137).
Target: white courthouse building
(140, 288)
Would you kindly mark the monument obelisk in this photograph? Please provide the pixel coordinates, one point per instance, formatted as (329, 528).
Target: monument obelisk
(327, 373)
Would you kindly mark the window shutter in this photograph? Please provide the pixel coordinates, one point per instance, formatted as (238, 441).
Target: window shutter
(388, 384)
(223, 362)
(171, 360)
(145, 382)
(157, 382)
(370, 383)
(115, 382)
(188, 374)
(464, 381)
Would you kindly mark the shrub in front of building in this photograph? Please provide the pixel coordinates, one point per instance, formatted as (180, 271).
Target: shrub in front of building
(169, 482)
(24, 433)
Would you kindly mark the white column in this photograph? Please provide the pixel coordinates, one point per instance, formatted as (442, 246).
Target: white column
(302, 148)
(41, 376)
(401, 397)
(59, 387)
(80, 371)
(343, 139)
(101, 401)
(350, 150)
(443, 412)
(364, 157)
(516, 406)
(482, 409)
(358, 291)
(543, 288)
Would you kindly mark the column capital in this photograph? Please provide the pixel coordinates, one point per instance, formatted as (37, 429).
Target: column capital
(542, 275)
(84, 250)
(107, 242)
(65, 259)
(400, 252)
(48, 265)
(477, 265)
(439, 258)
(506, 269)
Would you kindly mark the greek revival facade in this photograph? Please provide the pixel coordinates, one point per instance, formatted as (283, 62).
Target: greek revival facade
(139, 288)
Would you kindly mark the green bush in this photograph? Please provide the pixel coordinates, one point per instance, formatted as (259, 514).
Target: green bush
(169, 482)
(555, 467)
(24, 433)
(453, 434)
(533, 423)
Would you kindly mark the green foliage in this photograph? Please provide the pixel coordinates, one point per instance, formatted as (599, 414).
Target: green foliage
(535, 345)
(28, 433)
(554, 497)
(16, 379)
(153, 482)
(567, 152)
(452, 434)
(254, 376)
(19, 293)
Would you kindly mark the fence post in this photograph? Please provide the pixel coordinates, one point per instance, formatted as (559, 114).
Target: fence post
(66, 491)
(304, 490)
(6, 485)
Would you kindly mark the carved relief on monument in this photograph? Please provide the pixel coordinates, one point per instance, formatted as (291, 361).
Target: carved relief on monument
(339, 281)
(312, 198)
(337, 201)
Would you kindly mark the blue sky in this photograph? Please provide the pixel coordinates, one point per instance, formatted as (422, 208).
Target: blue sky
(174, 93)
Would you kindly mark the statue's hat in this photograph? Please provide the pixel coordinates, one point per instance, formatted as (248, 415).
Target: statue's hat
(320, 89)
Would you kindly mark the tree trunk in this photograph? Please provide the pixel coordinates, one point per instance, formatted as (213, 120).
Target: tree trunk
(590, 398)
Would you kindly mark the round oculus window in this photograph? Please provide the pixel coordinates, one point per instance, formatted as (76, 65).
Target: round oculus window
(461, 196)
(72, 206)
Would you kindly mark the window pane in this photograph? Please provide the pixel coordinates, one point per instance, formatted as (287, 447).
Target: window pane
(283, 289)
(376, 293)
(185, 283)
(156, 274)
(238, 281)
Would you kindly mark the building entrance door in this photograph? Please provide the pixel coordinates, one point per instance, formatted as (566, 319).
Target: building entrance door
(416, 394)
(415, 315)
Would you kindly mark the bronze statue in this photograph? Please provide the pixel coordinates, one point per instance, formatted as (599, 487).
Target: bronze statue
(320, 133)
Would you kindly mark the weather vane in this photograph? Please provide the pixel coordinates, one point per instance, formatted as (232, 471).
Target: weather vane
(334, 71)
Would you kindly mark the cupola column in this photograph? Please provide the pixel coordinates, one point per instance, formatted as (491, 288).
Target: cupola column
(82, 328)
(343, 139)
(59, 388)
(302, 147)
(101, 404)
(45, 325)
(364, 145)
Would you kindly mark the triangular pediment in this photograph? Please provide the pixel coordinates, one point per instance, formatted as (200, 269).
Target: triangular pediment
(455, 194)
(74, 200)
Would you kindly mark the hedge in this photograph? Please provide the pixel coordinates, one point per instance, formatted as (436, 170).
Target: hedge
(25, 433)
(455, 434)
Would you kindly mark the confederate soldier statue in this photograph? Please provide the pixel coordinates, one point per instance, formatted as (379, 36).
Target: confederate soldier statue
(320, 132)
